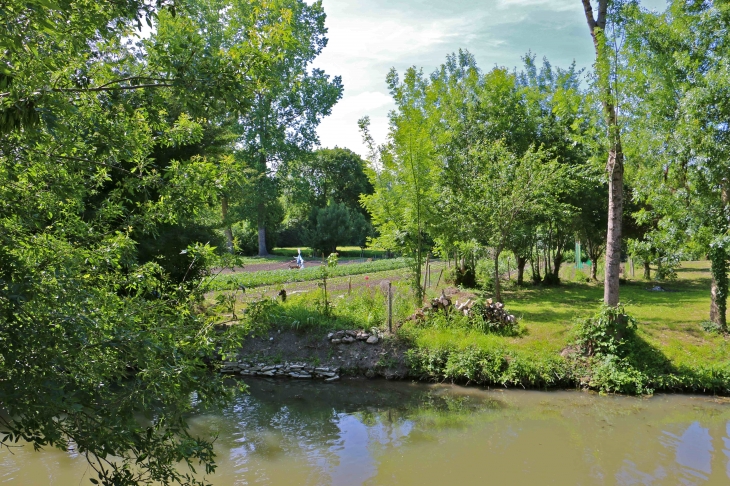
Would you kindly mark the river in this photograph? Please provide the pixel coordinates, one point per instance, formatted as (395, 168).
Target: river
(394, 433)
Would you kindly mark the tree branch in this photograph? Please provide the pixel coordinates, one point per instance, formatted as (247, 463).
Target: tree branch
(589, 15)
(112, 88)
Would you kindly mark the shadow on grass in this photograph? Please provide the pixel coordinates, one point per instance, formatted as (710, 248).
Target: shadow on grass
(693, 270)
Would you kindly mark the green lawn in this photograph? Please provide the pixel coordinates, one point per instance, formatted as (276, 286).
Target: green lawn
(668, 320)
(673, 351)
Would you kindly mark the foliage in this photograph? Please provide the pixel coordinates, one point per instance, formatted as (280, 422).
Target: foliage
(109, 145)
(324, 271)
(333, 225)
(403, 174)
(606, 333)
(291, 99)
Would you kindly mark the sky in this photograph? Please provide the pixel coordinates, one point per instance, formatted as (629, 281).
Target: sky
(368, 37)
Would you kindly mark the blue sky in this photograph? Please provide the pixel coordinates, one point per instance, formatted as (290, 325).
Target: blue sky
(368, 37)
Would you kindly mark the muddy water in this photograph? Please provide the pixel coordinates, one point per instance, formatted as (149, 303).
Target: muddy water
(382, 433)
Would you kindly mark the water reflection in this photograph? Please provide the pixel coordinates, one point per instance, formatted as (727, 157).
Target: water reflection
(374, 433)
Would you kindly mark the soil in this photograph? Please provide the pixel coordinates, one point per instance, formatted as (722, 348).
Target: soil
(384, 359)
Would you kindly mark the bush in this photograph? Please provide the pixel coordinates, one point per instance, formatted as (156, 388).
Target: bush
(168, 248)
(246, 236)
(614, 375)
(606, 333)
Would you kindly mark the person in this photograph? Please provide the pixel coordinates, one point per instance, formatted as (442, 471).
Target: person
(300, 260)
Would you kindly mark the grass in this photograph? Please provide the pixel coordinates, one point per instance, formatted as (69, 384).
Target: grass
(670, 349)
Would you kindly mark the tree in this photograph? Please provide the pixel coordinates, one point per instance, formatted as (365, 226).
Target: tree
(288, 106)
(678, 64)
(495, 190)
(403, 173)
(92, 338)
(312, 181)
(615, 165)
(333, 225)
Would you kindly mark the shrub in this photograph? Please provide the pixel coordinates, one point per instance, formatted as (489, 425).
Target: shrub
(605, 333)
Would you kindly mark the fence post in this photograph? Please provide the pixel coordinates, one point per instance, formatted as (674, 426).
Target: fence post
(439, 279)
(349, 286)
(390, 307)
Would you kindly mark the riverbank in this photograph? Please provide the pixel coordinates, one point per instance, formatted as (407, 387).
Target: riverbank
(670, 350)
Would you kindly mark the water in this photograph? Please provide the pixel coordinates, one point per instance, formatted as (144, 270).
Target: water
(384, 433)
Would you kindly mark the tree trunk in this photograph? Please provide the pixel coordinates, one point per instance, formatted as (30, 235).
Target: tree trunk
(594, 271)
(715, 313)
(497, 286)
(615, 165)
(719, 287)
(227, 230)
(521, 262)
(615, 214)
(262, 232)
(719, 269)
(647, 270)
(557, 261)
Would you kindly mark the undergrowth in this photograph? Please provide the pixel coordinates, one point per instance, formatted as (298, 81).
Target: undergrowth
(362, 309)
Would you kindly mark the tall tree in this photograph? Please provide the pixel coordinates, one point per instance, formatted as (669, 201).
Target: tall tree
(492, 191)
(615, 165)
(403, 173)
(290, 103)
(92, 339)
(679, 79)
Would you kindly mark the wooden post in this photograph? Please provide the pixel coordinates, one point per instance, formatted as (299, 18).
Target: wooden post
(439, 279)
(509, 274)
(349, 286)
(390, 307)
(631, 265)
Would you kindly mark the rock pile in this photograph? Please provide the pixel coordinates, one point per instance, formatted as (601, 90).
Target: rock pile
(349, 337)
(286, 370)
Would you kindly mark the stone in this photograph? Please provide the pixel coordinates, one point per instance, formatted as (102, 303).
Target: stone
(334, 378)
(300, 375)
(268, 368)
(267, 373)
(336, 341)
(351, 333)
(348, 339)
(330, 335)
(372, 340)
(338, 335)
(321, 370)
